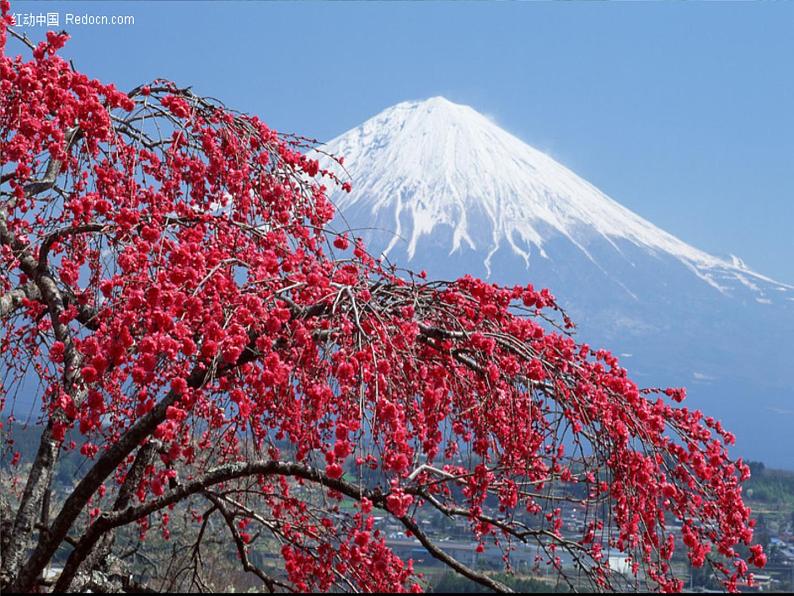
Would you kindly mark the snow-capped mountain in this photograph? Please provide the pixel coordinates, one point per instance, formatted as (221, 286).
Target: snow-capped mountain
(439, 186)
(418, 167)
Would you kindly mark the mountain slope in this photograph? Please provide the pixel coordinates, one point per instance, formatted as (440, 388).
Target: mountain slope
(438, 186)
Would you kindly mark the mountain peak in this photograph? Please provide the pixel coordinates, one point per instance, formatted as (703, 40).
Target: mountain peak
(420, 168)
(438, 102)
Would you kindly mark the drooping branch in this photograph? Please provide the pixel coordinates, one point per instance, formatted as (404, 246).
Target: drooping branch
(229, 472)
(46, 245)
(271, 583)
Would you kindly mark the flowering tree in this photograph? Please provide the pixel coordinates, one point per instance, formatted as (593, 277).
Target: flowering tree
(171, 286)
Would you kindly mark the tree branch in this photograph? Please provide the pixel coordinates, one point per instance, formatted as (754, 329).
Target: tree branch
(12, 300)
(228, 472)
(86, 554)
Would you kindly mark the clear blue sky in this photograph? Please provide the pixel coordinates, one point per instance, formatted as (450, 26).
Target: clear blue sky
(682, 112)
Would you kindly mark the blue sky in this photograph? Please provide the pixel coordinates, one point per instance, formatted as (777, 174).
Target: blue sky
(682, 112)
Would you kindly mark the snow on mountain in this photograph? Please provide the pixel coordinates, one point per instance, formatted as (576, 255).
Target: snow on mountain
(424, 165)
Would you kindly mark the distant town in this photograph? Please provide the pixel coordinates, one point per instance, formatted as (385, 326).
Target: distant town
(770, 494)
